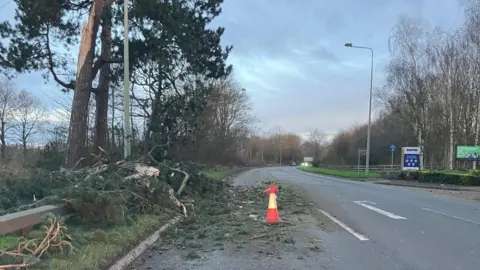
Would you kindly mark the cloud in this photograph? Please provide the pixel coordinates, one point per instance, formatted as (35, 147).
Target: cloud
(291, 57)
(292, 60)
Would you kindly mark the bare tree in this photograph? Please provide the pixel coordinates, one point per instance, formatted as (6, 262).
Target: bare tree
(27, 118)
(408, 73)
(278, 141)
(316, 139)
(8, 105)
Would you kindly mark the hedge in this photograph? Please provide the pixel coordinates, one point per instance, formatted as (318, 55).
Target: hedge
(467, 178)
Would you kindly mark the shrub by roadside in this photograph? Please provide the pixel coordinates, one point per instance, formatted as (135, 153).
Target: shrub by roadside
(467, 178)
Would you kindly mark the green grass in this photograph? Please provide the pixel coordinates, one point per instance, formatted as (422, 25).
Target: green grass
(7, 241)
(341, 173)
(105, 246)
(218, 175)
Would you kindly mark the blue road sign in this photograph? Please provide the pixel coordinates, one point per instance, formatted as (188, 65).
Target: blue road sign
(392, 148)
(411, 161)
(411, 158)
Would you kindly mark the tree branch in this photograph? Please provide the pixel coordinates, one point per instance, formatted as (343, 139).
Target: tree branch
(99, 63)
(51, 65)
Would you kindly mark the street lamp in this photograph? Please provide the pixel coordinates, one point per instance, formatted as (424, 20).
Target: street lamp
(367, 161)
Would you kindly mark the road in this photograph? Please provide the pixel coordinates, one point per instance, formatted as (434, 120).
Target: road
(386, 227)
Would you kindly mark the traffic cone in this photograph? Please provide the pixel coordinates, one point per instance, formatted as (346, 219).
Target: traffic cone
(272, 212)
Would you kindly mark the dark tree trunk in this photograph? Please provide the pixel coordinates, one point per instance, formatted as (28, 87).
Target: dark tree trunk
(101, 97)
(2, 139)
(25, 150)
(77, 132)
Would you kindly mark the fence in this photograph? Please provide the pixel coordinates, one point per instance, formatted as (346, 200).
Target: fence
(24, 220)
(372, 168)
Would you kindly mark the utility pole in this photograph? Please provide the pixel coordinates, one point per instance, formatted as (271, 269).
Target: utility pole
(127, 124)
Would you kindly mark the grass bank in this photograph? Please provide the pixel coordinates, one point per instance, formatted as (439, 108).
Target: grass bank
(104, 246)
(340, 173)
(218, 175)
(7, 241)
(93, 248)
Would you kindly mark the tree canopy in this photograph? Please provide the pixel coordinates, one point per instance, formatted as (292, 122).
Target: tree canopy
(170, 42)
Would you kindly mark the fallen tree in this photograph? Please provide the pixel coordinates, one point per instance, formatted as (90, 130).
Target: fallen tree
(109, 193)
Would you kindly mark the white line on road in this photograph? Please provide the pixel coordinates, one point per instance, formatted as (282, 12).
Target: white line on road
(455, 217)
(361, 237)
(366, 202)
(378, 210)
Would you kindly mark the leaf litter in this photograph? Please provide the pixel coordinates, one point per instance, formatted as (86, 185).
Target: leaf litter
(229, 226)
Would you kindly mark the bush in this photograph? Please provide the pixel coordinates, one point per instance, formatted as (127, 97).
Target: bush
(468, 179)
(471, 178)
(400, 175)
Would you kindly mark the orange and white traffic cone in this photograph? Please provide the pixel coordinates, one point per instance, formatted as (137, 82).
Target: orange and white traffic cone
(272, 212)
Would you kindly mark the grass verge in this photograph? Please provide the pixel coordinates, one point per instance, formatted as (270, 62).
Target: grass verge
(218, 175)
(104, 246)
(7, 241)
(94, 248)
(341, 173)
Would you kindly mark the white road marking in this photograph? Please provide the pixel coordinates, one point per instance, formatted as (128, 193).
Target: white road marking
(378, 210)
(455, 217)
(367, 202)
(360, 236)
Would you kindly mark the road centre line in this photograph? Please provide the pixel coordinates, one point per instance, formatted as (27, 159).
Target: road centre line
(360, 236)
(455, 217)
(378, 210)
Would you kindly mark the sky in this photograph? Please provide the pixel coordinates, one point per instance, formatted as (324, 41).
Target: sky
(290, 56)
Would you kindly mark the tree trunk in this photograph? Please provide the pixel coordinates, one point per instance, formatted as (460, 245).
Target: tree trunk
(421, 145)
(2, 139)
(113, 144)
(101, 97)
(24, 144)
(477, 124)
(77, 132)
(451, 129)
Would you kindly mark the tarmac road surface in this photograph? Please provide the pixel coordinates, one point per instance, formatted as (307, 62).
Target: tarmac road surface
(386, 227)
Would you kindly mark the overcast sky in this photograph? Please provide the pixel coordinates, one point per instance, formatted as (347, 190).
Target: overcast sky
(289, 55)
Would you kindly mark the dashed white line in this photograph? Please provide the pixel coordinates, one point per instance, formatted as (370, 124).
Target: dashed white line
(378, 210)
(455, 217)
(360, 236)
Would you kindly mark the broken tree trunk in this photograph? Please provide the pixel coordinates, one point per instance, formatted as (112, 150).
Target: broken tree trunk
(101, 96)
(77, 132)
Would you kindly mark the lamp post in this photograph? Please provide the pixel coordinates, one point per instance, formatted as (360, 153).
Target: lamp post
(367, 161)
(127, 125)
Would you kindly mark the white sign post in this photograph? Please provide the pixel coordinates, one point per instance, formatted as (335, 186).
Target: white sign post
(411, 158)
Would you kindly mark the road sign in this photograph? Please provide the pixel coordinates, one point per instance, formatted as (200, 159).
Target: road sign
(411, 158)
(392, 148)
